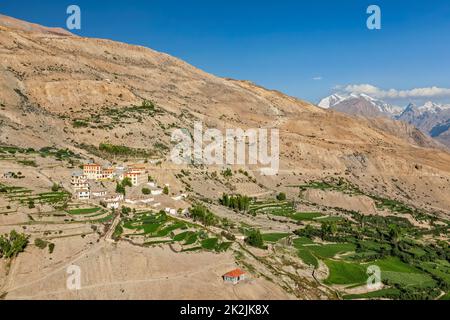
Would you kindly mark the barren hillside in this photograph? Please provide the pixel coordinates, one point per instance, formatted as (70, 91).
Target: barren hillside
(71, 92)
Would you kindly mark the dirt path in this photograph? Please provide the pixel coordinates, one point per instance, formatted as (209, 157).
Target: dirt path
(64, 265)
(138, 281)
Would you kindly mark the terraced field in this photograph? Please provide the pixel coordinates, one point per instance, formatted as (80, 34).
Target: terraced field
(158, 228)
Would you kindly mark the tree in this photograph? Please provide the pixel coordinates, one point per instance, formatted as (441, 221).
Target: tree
(14, 244)
(281, 196)
(394, 232)
(328, 229)
(127, 182)
(126, 210)
(120, 188)
(166, 190)
(201, 213)
(146, 191)
(239, 202)
(31, 204)
(255, 239)
(55, 187)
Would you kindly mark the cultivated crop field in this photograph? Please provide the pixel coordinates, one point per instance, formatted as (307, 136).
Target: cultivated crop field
(150, 228)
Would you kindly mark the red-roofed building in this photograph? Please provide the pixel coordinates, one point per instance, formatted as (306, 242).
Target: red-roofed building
(92, 171)
(235, 276)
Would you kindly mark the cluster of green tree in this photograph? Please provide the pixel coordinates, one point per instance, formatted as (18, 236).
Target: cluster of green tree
(59, 154)
(121, 186)
(122, 150)
(327, 231)
(11, 245)
(255, 239)
(412, 293)
(236, 202)
(202, 214)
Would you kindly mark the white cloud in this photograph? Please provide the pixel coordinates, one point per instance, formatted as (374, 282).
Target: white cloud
(318, 78)
(428, 92)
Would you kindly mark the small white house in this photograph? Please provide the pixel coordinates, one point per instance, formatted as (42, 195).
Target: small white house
(171, 211)
(157, 192)
(99, 193)
(83, 194)
(112, 204)
(180, 197)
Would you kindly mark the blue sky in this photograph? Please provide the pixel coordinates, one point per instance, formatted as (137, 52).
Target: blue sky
(280, 44)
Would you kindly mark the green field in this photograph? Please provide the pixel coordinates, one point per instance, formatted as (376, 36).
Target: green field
(345, 272)
(210, 243)
(308, 258)
(164, 229)
(393, 271)
(83, 211)
(300, 242)
(274, 237)
(306, 216)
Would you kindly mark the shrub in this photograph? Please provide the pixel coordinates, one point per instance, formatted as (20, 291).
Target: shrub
(166, 190)
(281, 196)
(255, 239)
(227, 173)
(41, 244)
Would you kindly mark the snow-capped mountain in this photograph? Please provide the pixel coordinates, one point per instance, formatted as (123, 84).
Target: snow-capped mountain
(360, 104)
(431, 118)
(331, 101)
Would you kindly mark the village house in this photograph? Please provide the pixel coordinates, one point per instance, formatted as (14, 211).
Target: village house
(136, 177)
(97, 190)
(108, 173)
(92, 171)
(83, 194)
(79, 181)
(114, 202)
(171, 211)
(235, 276)
(156, 192)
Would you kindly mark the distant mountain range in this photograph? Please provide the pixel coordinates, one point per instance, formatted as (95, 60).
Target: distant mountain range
(431, 118)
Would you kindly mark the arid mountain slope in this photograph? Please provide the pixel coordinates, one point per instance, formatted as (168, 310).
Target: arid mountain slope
(49, 81)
